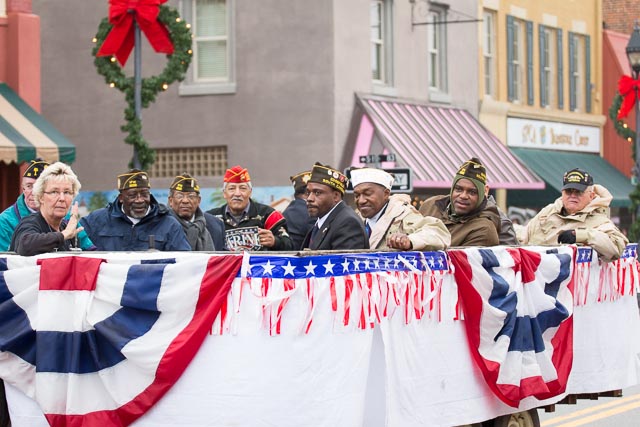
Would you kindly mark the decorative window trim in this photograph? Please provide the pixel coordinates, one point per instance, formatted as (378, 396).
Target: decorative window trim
(548, 58)
(387, 80)
(579, 73)
(190, 87)
(439, 92)
(489, 52)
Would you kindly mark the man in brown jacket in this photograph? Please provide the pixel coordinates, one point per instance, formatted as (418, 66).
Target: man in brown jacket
(465, 212)
(580, 215)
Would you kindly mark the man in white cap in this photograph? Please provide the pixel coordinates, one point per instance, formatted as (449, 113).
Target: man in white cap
(391, 221)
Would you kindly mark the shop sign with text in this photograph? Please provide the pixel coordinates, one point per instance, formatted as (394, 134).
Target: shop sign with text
(552, 135)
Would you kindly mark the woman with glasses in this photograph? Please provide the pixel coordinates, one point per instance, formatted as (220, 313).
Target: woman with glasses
(47, 230)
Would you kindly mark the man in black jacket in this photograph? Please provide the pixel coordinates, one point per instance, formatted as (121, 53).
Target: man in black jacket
(249, 225)
(204, 231)
(337, 226)
(299, 222)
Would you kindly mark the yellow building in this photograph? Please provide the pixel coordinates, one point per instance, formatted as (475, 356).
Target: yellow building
(540, 86)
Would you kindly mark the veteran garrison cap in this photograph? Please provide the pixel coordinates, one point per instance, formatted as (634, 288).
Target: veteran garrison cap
(35, 168)
(326, 175)
(135, 178)
(577, 179)
(299, 181)
(237, 175)
(185, 183)
(474, 169)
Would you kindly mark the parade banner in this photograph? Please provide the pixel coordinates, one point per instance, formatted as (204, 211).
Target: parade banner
(99, 339)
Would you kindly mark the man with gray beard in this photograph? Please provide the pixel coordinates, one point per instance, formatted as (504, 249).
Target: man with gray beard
(135, 221)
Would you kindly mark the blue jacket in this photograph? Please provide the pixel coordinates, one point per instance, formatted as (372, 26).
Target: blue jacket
(216, 229)
(111, 230)
(11, 216)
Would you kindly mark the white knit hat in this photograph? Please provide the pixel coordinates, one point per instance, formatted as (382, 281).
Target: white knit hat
(376, 176)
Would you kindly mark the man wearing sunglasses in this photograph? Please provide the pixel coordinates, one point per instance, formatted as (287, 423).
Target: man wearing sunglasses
(135, 221)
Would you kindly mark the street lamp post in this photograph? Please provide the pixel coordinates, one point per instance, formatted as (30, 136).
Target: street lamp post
(633, 53)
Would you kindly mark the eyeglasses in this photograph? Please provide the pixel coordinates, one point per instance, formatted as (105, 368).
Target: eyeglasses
(57, 194)
(181, 196)
(132, 197)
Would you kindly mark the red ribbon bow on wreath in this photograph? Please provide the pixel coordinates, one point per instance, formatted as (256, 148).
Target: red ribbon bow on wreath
(628, 89)
(120, 40)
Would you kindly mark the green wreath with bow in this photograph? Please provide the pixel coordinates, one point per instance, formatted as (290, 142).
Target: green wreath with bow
(177, 64)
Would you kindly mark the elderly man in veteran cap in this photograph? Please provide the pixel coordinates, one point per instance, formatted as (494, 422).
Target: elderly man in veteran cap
(580, 215)
(337, 226)
(465, 210)
(26, 205)
(391, 220)
(299, 223)
(204, 231)
(249, 225)
(135, 221)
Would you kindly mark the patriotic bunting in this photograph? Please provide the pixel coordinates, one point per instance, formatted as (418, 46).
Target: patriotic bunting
(98, 340)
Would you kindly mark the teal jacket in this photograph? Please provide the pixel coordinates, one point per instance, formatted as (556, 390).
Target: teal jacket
(10, 218)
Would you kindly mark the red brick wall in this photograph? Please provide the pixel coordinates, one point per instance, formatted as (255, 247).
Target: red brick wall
(19, 6)
(620, 15)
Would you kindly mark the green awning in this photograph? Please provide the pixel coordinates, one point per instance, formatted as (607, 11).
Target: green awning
(550, 165)
(25, 134)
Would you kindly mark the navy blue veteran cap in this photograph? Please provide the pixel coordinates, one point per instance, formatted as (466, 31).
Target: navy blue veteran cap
(577, 179)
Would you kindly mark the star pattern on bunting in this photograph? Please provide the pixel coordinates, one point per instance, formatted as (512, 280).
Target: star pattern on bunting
(278, 266)
(328, 267)
(268, 268)
(311, 268)
(289, 269)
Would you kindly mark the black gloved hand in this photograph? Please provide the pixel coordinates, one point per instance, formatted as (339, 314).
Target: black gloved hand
(567, 236)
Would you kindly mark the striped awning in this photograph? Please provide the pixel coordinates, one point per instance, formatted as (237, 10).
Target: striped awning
(434, 141)
(552, 165)
(25, 134)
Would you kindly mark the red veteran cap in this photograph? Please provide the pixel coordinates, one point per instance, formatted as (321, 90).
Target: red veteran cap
(236, 175)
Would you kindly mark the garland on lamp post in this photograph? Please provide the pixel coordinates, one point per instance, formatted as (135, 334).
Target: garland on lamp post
(624, 131)
(175, 69)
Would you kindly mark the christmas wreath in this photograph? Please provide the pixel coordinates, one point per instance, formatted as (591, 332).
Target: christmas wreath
(616, 114)
(178, 61)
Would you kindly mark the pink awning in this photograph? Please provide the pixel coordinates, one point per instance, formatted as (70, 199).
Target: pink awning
(435, 141)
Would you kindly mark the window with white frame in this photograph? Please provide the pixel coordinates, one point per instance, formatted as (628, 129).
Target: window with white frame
(489, 52)
(579, 73)
(380, 18)
(517, 60)
(212, 66)
(437, 49)
(548, 66)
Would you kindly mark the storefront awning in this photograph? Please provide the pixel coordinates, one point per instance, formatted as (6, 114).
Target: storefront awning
(551, 165)
(433, 142)
(25, 134)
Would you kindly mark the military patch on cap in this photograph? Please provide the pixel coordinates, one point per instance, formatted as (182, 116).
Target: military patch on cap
(135, 178)
(473, 168)
(328, 176)
(300, 180)
(35, 168)
(185, 183)
(237, 175)
(577, 179)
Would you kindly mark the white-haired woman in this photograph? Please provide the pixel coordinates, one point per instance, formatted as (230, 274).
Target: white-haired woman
(47, 230)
